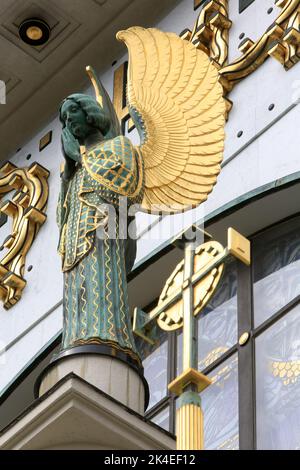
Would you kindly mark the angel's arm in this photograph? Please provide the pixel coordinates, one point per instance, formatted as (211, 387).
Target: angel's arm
(114, 165)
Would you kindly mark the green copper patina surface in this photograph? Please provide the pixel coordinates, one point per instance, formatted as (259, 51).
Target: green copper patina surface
(95, 264)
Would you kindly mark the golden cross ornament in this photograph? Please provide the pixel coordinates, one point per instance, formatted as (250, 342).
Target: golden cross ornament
(189, 288)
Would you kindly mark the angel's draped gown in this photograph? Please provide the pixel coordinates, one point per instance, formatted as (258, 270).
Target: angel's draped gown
(95, 301)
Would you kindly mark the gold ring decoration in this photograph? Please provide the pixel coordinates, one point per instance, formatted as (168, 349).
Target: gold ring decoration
(172, 317)
(27, 210)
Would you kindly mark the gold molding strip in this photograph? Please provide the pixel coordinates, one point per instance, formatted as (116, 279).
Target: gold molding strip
(27, 209)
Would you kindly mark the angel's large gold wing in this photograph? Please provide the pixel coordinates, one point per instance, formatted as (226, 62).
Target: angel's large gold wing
(176, 102)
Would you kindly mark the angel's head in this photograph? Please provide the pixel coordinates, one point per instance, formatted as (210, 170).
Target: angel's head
(82, 115)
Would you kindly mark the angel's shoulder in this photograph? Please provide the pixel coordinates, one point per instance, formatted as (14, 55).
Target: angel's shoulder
(119, 146)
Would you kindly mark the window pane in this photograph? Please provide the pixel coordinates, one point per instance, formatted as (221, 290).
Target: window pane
(179, 354)
(220, 407)
(217, 325)
(162, 419)
(276, 264)
(278, 384)
(155, 362)
(243, 4)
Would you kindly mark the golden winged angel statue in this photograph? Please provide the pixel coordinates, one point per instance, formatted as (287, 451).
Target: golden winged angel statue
(176, 103)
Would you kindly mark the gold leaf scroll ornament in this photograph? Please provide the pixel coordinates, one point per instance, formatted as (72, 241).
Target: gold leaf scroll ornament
(176, 103)
(281, 40)
(27, 210)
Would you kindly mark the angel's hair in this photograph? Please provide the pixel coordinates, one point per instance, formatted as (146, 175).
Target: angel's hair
(94, 114)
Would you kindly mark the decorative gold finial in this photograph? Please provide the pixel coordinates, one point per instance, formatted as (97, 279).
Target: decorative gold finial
(93, 78)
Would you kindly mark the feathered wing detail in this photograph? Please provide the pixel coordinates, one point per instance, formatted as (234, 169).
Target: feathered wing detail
(176, 102)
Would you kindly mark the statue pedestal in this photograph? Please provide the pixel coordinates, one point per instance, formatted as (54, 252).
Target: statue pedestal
(110, 375)
(76, 415)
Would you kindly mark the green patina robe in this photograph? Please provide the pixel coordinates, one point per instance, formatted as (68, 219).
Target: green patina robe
(94, 265)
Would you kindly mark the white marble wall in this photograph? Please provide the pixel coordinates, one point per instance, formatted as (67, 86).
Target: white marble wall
(267, 150)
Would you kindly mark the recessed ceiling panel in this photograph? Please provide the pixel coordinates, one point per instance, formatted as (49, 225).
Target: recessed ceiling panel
(61, 24)
(10, 80)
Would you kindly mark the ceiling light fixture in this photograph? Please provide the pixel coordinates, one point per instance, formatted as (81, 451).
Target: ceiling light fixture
(34, 31)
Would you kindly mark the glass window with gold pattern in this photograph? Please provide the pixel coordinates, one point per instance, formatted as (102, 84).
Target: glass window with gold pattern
(249, 345)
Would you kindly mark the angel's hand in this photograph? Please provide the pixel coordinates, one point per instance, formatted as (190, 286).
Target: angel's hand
(70, 145)
(71, 152)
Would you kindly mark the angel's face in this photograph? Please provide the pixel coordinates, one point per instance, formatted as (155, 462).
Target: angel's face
(75, 119)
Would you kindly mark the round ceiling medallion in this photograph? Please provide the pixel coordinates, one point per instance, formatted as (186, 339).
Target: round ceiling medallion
(34, 31)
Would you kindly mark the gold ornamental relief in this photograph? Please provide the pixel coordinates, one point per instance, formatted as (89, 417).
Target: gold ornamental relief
(211, 31)
(280, 41)
(27, 210)
(205, 255)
